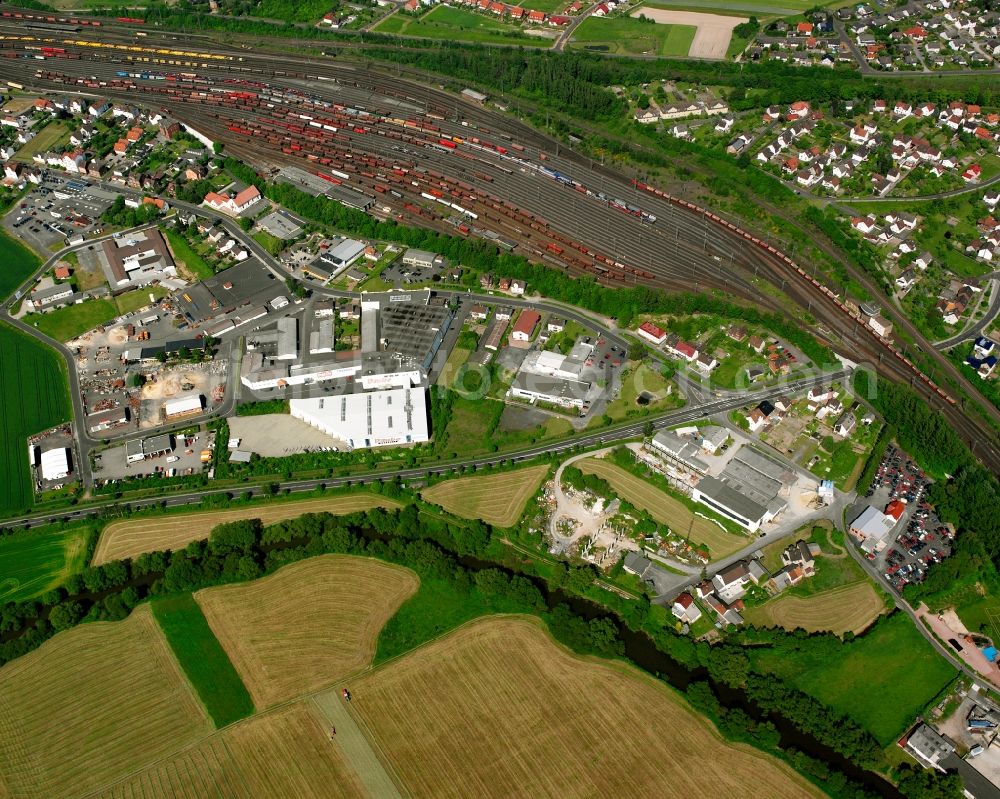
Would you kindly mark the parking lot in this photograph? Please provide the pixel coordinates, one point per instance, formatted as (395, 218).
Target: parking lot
(184, 458)
(57, 210)
(924, 538)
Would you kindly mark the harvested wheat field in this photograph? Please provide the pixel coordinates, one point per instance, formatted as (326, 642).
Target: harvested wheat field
(286, 754)
(497, 499)
(308, 624)
(498, 709)
(91, 705)
(850, 607)
(664, 508)
(131, 537)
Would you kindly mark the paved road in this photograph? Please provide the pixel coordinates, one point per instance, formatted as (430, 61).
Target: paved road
(355, 745)
(976, 329)
(567, 32)
(618, 433)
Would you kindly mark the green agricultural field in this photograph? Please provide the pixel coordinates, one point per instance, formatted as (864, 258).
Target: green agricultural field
(34, 396)
(881, 680)
(628, 36)
(67, 323)
(17, 262)
(445, 22)
(35, 561)
(203, 659)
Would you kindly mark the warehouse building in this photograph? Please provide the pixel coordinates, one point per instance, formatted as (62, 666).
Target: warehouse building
(54, 464)
(675, 450)
(392, 417)
(321, 339)
(553, 390)
(140, 449)
(748, 489)
(185, 406)
(287, 347)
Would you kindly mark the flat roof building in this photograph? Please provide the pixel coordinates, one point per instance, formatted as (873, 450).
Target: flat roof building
(872, 529)
(420, 259)
(568, 393)
(747, 490)
(392, 417)
(102, 420)
(54, 464)
(137, 258)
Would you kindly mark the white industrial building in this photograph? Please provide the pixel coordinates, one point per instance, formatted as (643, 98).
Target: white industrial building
(872, 529)
(55, 464)
(185, 406)
(370, 419)
(345, 253)
(551, 378)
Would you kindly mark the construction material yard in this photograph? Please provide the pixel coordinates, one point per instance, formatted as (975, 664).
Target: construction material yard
(664, 508)
(92, 705)
(497, 499)
(131, 537)
(307, 625)
(472, 714)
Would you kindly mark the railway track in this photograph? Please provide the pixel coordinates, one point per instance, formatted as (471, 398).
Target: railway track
(686, 247)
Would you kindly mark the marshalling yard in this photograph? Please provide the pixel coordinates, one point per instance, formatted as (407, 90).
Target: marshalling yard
(417, 153)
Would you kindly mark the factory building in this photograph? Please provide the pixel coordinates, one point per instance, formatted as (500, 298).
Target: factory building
(140, 449)
(747, 491)
(385, 418)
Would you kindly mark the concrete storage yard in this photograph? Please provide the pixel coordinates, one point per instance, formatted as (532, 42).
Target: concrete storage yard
(277, 435)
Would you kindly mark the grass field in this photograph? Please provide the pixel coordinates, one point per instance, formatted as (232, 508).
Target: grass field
(636, 380)
(139, 298)
(880, 680)
(497, 709)
(286, 754)
(67, 323)
(455, 361)
(838, 598)
(46, 139)
(91, 705)
(131, 537)
(628, 36)
(186, 257)
(848, 608)
(307, 625)
(664, 508)
(34, 396)
(32, 562)
(203, 659)
(18, 263)
(445, 22)
(497, 499)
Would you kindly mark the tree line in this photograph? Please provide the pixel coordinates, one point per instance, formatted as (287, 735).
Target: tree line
(433, 546)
